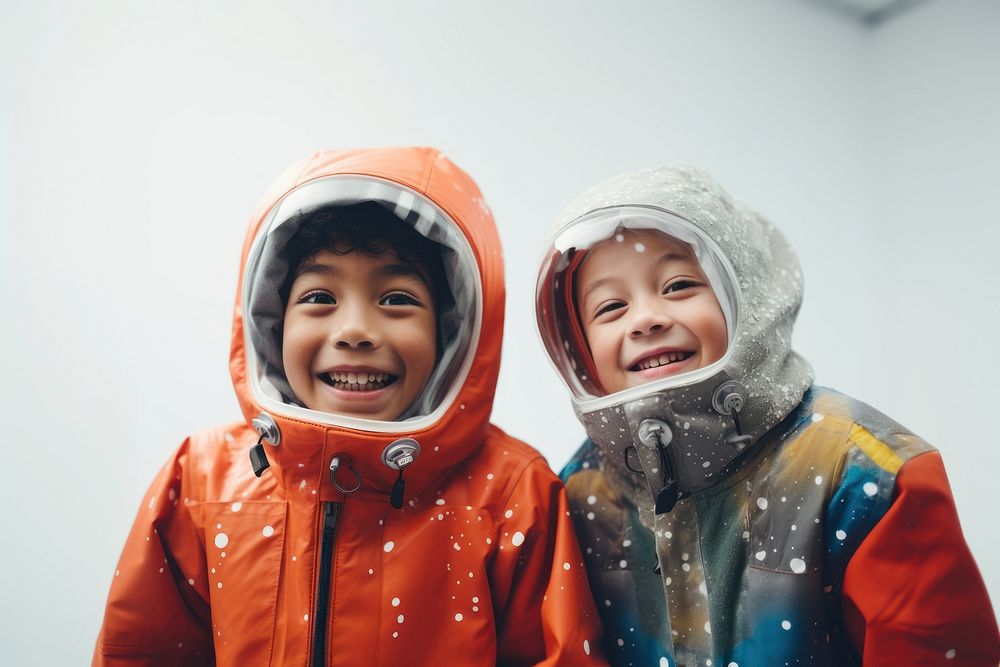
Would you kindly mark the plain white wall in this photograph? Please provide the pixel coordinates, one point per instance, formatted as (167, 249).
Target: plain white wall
(138, 137)
(930, 345)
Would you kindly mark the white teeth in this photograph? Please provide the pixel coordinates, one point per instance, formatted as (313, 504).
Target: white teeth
(662, 360)
(358, 381)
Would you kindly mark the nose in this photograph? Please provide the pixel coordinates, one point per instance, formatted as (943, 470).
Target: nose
(354, 330)
(647, 320)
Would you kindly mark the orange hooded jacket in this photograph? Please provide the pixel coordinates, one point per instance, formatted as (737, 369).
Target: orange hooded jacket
(479, 566)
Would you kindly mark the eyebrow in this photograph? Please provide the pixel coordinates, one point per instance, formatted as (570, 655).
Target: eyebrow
(594, 285)
(320, 269)
(401, 270)
(669, 256)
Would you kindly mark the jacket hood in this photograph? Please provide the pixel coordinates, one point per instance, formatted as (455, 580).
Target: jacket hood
(427, 191)
(678, 435)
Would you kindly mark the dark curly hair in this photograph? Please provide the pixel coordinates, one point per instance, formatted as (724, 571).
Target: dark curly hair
(371, 229)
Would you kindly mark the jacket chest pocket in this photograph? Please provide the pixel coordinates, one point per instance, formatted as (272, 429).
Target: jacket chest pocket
(243, 547)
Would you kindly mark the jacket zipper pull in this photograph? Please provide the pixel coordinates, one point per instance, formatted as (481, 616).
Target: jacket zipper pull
(258, 458)
(396, 498)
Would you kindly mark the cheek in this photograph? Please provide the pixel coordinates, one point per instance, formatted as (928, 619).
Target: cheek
(712, 333)
(295, 349)
(416, 341)
(604, 344)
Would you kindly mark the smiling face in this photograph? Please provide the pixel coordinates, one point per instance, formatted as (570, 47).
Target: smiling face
(360, 334)
(647, 310)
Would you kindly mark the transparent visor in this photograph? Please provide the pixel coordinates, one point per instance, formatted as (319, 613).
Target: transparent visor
(266, 281)
(622, 279)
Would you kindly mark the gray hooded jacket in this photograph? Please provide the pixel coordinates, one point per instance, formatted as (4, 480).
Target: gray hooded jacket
(734, 515)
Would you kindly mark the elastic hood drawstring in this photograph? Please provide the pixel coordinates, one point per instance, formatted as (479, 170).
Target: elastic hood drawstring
(269, 432)
(398, 455)
(727, 399)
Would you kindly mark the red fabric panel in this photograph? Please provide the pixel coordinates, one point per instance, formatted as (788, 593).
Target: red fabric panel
(912, 593)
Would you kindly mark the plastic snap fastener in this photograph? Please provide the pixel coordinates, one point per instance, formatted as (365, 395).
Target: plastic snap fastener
(654, 433)
(729, 396)
(267, 428)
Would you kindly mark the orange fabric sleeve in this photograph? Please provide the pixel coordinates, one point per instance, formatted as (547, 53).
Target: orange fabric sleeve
(157, 613)
(912, 592)
(547, 615)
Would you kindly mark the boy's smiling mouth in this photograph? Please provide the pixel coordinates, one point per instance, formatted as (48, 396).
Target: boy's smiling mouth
(661, 359)
(357, 380)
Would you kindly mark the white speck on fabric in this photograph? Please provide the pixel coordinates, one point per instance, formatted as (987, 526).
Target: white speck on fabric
(517, 539)
(388, 546)
(268, 531)
(762, 503)
(870, 489)
(221, 540)
(798, 565)
(236, 507)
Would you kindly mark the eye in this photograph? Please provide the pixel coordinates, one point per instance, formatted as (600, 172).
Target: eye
(399, 299)
(318, 297)
(679, 285)
(609, 307)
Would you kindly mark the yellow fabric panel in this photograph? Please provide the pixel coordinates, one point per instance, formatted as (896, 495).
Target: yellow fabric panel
(877, 451)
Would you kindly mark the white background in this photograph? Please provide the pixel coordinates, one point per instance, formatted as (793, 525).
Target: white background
(137, 137)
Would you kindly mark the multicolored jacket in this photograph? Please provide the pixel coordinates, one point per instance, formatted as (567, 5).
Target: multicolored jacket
(837, 542)
(735, 515)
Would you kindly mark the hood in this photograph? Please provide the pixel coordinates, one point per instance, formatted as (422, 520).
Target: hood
(298, 445)
(675, 436)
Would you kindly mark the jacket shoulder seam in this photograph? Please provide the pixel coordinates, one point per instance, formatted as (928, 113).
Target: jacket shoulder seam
(517, 481)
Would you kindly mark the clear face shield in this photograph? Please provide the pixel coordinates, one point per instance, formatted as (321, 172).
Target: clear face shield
(352, 352)
(633, 300)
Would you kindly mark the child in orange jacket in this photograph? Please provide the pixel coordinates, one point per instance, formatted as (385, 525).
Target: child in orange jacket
(379, 519)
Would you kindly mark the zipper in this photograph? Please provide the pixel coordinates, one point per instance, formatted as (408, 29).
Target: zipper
(331, 513)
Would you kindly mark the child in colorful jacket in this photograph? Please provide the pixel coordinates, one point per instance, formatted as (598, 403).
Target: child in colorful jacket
(379, 519)
(731, 512)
